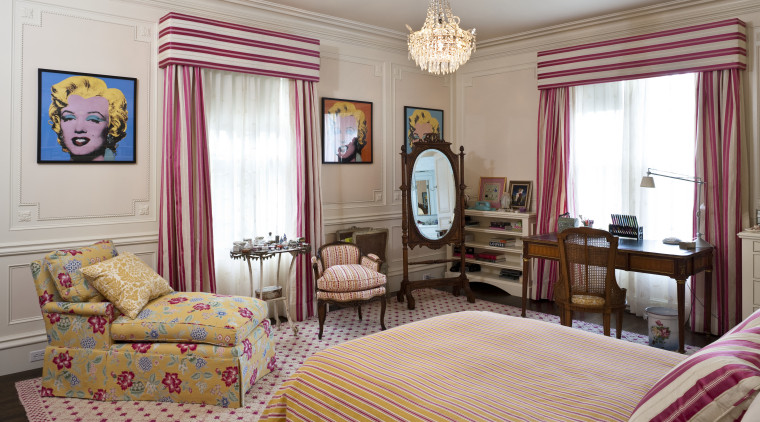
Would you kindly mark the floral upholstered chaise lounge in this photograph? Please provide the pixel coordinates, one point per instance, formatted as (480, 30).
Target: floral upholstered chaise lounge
(117, 331)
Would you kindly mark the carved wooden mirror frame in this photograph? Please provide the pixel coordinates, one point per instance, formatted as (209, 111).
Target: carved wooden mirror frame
(412, 237)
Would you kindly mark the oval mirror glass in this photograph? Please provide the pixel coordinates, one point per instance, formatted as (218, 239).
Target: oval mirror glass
(433, 194)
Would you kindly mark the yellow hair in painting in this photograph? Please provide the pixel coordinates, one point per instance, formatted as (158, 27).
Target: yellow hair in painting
(343, 109)
(87, 87)
(421, 116)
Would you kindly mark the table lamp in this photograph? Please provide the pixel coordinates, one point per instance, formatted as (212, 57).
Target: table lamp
(648, 182)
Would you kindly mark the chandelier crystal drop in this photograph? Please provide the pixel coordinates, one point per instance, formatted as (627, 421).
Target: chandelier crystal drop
(440, 47)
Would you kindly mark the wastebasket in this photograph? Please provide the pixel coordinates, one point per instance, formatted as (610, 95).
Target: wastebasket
(663, 327)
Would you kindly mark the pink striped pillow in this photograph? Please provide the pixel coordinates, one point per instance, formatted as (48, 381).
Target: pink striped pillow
(717, 383)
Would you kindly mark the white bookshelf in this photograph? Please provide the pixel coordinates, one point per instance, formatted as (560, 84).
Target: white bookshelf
(480, 234)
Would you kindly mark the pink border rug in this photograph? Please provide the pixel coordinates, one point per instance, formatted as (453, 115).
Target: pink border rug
(341, 325)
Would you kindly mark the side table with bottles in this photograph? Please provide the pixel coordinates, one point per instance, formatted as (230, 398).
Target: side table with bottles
(272, 294)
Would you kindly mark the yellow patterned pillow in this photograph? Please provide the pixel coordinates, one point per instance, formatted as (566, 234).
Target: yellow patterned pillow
(64, 266)
(127, 282)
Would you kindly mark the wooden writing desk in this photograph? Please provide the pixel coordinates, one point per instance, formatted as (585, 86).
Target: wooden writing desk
(643, 256)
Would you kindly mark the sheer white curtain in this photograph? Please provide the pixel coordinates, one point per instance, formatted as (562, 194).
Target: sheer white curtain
(252, 150)
(620, 129)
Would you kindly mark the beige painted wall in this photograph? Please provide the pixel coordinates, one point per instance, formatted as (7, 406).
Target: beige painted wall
(490, 108)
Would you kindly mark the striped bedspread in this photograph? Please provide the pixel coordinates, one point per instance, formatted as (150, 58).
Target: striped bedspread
(473, 366)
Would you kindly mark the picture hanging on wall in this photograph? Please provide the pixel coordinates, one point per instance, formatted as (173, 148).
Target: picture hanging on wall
(346, 131)
(418, 122)
(85, 118)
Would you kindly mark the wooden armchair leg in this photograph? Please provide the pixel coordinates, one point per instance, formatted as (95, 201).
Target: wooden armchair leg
(606, 323)
(619, 323)
(568, 318)
(322, 313)
(382, 311)
(359, 309)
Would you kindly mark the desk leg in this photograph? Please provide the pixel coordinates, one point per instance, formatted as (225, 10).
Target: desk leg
(525, 281)
(681, 288)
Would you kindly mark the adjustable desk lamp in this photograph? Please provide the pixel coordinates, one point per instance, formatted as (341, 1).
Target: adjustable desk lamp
(648, 182)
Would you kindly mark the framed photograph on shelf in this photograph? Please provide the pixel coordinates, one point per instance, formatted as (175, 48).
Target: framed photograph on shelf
(418, 122)
(85, 118)
(346, 131)
(519, 192)
(491, 189)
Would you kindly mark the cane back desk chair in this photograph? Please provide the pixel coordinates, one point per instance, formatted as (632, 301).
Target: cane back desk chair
(587, 276)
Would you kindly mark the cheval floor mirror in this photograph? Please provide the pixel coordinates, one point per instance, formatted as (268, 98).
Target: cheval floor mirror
(432, 200)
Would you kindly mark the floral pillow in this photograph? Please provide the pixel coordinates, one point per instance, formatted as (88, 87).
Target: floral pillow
(65, 268)
(127, 282)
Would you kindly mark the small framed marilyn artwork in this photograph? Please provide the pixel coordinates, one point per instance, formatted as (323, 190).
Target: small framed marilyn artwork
(520, 192)
(346, 131)
(491, 189)
(418, 122)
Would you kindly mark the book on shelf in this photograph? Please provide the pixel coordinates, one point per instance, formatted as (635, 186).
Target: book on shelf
(491, 257)
(501, 242)
(510, 274)
(500, 225)
(469, 251)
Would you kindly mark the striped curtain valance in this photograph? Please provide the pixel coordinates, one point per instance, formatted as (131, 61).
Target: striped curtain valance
(193, 41)
(699, 48)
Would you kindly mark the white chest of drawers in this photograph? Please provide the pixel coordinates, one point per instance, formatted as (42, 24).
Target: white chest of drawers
(750, 271)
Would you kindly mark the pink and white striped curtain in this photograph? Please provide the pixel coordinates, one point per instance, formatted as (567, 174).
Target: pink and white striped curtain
(309, 190)
(552, 176)
(722, 162)
(185, 229)
(719, 50)
(185, 236)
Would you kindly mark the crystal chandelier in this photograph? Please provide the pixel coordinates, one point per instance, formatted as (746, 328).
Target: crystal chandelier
(440, 47)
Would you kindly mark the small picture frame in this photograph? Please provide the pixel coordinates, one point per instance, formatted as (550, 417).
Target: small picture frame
(418, 122)
(491, 189)
(346, 131)
(519, 192)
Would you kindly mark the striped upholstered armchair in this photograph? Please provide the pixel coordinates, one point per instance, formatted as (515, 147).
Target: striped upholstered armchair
(346, 277)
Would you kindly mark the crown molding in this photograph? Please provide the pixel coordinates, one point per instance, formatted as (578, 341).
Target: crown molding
(276, 17)
(673, 14)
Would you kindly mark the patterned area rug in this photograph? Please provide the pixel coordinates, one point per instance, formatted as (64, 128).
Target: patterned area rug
(341, 325)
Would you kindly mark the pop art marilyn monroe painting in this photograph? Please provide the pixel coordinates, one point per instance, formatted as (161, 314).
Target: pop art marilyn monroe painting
(85, 118)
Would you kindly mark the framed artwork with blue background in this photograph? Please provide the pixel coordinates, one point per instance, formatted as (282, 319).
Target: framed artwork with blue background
(86, 118)
(418, 122)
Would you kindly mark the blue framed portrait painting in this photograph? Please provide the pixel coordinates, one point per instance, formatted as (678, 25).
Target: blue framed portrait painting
(418, 122)
(86, 118)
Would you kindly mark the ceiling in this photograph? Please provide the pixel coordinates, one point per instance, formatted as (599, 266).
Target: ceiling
(491, 18)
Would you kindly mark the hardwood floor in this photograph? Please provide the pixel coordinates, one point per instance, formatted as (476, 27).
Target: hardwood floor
(12, 410)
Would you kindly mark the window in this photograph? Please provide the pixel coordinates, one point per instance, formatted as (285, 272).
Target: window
(619, 130)
(252, 153)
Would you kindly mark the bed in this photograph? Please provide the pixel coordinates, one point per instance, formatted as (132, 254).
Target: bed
(483, 366)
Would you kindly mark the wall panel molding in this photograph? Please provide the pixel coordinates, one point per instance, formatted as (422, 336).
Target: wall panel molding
(31, 337)
(47, 245)
(27, 57)
(374, 197)
(397, 122)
